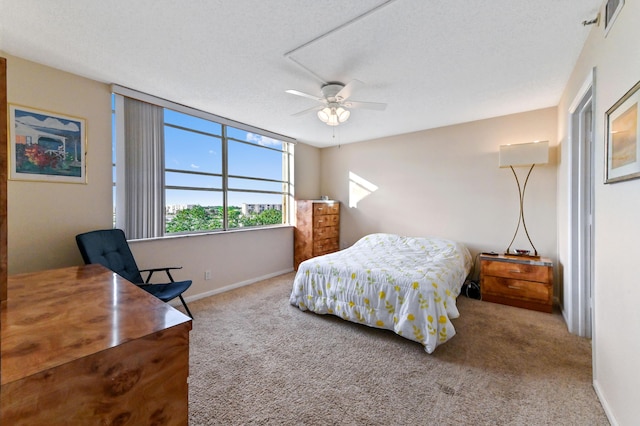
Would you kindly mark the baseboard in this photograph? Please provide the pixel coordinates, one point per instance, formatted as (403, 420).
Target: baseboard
(194, 297)
(604, 403)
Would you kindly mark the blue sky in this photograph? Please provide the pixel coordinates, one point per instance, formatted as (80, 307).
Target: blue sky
(202, 152)
(189, 151)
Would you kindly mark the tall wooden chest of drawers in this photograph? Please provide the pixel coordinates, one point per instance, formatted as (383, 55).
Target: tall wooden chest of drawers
(517, 281)
(317, 229)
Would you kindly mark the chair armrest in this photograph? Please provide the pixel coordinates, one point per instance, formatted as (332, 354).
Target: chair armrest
(165, 269)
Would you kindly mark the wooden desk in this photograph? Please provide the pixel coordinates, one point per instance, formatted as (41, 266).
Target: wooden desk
(82, 345)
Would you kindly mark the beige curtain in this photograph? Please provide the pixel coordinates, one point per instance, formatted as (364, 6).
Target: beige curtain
(144, 169)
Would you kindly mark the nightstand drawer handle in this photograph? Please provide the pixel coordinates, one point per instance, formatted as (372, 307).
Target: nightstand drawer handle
(515, 271)
(514, 287)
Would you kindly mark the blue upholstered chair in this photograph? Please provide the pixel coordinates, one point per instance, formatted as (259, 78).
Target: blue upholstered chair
(109, 248)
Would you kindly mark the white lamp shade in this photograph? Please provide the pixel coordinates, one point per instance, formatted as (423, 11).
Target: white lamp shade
(323, 114)
(333, 120)
(343, 114)
(524, 154)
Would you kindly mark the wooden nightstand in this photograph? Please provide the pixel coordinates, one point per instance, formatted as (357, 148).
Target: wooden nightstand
(517, 281)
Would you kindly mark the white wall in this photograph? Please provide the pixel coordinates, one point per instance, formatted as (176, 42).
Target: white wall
(44, 217)
(616, 59)
(446, 182)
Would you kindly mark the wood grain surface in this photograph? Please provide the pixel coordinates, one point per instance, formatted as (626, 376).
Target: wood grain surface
(517, 281)
(4, 171)
(81, 345)
(317, 230)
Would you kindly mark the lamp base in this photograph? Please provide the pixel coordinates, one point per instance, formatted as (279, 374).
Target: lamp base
(521, 190)
(522, 255)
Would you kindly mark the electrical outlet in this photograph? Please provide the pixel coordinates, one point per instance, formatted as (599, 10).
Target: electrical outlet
(207, 275)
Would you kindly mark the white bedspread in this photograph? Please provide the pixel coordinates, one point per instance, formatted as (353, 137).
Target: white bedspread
(405, 284)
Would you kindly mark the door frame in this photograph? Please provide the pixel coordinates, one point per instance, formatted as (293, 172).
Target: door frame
(578, 290)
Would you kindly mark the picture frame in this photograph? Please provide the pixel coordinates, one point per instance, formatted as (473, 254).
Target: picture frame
(611, 10)
(623, 138)
(46, 146)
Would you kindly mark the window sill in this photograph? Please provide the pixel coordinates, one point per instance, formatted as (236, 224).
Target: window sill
(210, 233)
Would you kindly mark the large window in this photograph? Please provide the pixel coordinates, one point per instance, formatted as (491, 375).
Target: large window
(216, 174)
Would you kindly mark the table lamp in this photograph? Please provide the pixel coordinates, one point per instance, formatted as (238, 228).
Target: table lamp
(523, 155)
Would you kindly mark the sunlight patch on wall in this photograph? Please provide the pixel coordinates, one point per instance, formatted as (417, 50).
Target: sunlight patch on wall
(359, 188)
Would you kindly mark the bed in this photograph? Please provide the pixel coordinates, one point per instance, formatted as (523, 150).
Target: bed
(405, 284)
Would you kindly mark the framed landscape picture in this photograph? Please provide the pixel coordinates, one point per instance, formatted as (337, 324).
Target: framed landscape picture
(623, 138)
(46, 146)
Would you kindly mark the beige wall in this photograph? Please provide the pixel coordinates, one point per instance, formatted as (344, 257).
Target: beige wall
(616, 59)
(45, 217)
(446, 182)
(234, 258)
(306, 179)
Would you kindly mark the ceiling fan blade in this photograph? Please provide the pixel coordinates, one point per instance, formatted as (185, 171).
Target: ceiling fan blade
(305, 95)
(347, 90)
(366, 105)
(306, 111)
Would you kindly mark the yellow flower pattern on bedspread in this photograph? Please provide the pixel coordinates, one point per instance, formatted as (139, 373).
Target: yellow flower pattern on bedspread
(405, 284)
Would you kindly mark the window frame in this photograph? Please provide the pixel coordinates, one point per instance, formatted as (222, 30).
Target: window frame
(287, 152)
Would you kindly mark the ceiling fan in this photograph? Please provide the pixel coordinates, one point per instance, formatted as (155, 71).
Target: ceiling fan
(335, 103)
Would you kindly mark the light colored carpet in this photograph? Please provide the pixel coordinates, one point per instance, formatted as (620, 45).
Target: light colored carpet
(255, 359)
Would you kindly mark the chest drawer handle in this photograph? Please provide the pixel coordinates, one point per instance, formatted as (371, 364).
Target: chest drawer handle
(514, 287)
(515, 271)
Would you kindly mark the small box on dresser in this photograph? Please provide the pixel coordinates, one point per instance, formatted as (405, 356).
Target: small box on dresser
(317, 230)
(520, 281)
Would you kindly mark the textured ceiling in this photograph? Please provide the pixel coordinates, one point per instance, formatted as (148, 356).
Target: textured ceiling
(433, 62)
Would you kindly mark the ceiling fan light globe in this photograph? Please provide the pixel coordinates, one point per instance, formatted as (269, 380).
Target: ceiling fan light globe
(324, 115)
(343, 114)
(333, 120)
